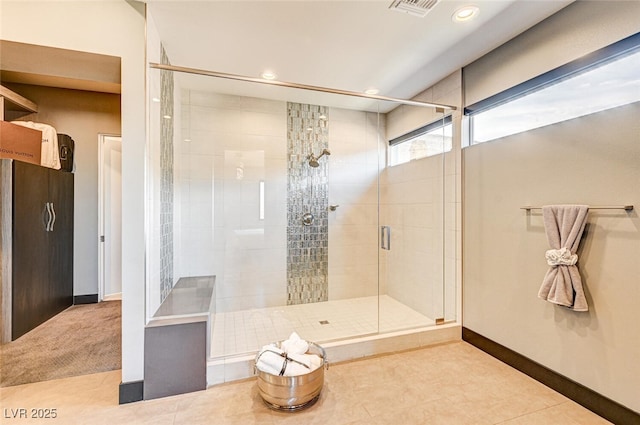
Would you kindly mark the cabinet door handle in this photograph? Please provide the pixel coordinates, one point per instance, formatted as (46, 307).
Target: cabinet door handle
(53, 212)
(46, 217)
(49, 217)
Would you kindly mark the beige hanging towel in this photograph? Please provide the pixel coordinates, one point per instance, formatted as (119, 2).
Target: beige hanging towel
(564, 225)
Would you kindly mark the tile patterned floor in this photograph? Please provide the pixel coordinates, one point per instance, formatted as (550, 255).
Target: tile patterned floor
(450, 384)
(244, 332)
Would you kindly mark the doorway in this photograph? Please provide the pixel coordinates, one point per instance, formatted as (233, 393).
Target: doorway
(110, 217)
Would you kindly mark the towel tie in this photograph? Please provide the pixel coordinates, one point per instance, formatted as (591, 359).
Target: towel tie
(284, 364)
(560, 257)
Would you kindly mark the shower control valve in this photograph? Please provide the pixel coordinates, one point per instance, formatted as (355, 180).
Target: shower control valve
(307, 219)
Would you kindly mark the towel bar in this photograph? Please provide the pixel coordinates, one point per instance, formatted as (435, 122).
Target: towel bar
(595, 207)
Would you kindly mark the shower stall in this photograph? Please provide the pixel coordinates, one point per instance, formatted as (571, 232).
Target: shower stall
(284, 198)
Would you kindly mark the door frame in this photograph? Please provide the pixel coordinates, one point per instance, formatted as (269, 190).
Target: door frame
(102, 138)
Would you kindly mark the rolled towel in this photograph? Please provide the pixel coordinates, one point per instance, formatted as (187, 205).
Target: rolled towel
(295, 345)
(275, 361)
(295, 369)
(304, 359)
(312, 361)
(316, 361)
(270, 360)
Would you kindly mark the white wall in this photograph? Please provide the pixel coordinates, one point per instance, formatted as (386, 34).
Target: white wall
(221, 232)
(592, 160)
(113, 28)
(236, 142)
(153, 174)
(353, 185)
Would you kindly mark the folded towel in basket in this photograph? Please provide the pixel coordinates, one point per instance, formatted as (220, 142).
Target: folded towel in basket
(312, 361)
(295, 345)
(270, 360)
(275, 361)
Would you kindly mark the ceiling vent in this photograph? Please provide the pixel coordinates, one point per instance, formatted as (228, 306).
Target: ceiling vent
(413, 7)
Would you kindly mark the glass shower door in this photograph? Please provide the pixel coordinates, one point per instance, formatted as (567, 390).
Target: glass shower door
(412, 218)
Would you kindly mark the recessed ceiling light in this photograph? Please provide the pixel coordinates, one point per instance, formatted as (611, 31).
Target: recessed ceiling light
(156, 99)
(372, 90)
(269, 75)
(167, 117)
(465, 13)
(187, 140)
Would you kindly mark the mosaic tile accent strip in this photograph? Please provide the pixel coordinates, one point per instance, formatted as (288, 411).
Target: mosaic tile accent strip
(166, 179)
(307, 197)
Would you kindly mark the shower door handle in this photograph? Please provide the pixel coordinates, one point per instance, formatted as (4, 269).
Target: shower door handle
(385, 237)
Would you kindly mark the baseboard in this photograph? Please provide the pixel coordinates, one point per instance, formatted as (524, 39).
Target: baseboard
(597, 403)
(85, 299)
(131, 392)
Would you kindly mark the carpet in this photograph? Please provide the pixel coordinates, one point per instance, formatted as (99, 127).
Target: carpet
(82, 339)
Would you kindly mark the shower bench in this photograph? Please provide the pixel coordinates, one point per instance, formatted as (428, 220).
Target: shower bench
(176, 339)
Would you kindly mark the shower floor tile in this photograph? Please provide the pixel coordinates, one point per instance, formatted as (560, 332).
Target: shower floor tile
(243, 332)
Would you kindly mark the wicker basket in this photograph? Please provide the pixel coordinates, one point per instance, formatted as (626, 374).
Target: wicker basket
(291, 393)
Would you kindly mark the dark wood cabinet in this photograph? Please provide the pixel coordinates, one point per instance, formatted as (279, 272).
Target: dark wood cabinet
(42, 247)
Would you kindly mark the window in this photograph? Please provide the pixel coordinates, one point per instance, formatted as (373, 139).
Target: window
(432, 139)
(610, 79)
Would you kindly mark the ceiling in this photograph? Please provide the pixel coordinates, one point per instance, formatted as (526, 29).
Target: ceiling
(348, 45)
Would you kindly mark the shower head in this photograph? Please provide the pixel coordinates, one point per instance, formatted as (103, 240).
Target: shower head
(313, 160)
